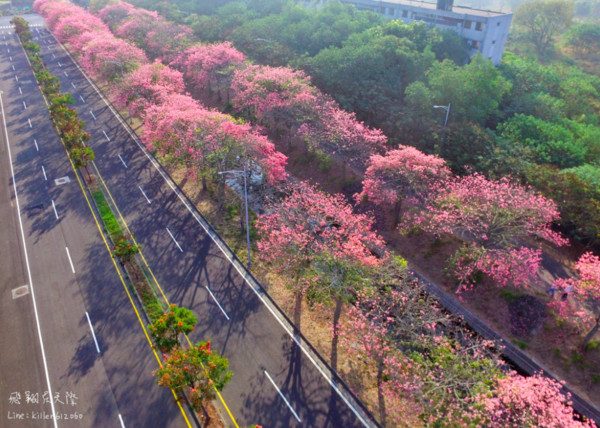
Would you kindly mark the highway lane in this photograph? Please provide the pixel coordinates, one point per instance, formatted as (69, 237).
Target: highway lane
(21, 350)
(77, 279)
(275, 383)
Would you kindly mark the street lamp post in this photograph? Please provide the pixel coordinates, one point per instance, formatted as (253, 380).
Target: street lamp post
(447, 108)
(244, 173)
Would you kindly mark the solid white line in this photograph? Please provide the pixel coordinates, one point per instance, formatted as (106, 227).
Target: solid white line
(35, 311)
(218, 304)
(92, 113)
(123, 161)
(29, 121)
(144, 193)
(24, 105)
(82, 99)
(20, 91)
(93, 334)
(121, 419)
(44, 171)
(54, 207)
(36, 146)
(175, 240)
(73, 85)
(106, 135)
(70, 261)
(283, 396)
(243, 274)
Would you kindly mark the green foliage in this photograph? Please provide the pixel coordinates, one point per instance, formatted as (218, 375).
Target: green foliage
(369, 72)
(591, 345)
(166, 329)
(520, 343)
(198, 368)
(21, 28)
(588, 174)
(82, 157)
(324, 161)
(553, 144)
(578, 201)
(584, 38)
(542, 20)
(112, 225)
(31, 47)
(124, 249)
(474, 90)
(509, 296)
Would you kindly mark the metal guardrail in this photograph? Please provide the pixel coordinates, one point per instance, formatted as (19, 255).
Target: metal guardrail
(511, 352)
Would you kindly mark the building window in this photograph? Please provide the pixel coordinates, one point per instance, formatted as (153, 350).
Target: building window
(474, 44)
(479, 26)
(404, 13)
(493, 42)
(467, 24)
(497, 24)
(391, 11)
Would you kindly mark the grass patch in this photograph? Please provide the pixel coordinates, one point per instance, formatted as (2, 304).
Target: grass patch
(509, 296)
(112, 225)
(592, 345)
(151, 303)
(520, 343)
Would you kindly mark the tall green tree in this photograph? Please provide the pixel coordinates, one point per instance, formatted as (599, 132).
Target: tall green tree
(542, 20)
(474, 90)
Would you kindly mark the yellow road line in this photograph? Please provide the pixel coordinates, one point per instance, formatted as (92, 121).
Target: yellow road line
(156, 282)
(110, 252)
(125, 285)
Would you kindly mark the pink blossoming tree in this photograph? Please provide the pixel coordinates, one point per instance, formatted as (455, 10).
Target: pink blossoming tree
(308, 225)
(206, 142)
(279, 98)
(149, 84)
(208, 69)
(584, 306)
(495, 217)
(399, 174)
(420, 366)
(114, 15)
(110, 59)
(535, 401)
(335, 131)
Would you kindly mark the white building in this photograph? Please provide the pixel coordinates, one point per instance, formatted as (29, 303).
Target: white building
(484, 31)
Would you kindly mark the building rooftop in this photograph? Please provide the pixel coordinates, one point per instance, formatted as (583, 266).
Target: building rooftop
(455, 9)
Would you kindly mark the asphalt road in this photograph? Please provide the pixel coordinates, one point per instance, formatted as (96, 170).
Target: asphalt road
(97, 380)
(275, 382)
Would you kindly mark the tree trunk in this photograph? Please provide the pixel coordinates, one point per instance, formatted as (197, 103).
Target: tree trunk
(591, 333)
(298, 310)
(380, 397)
(397, 211)
(334, 341)
(204, 185)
